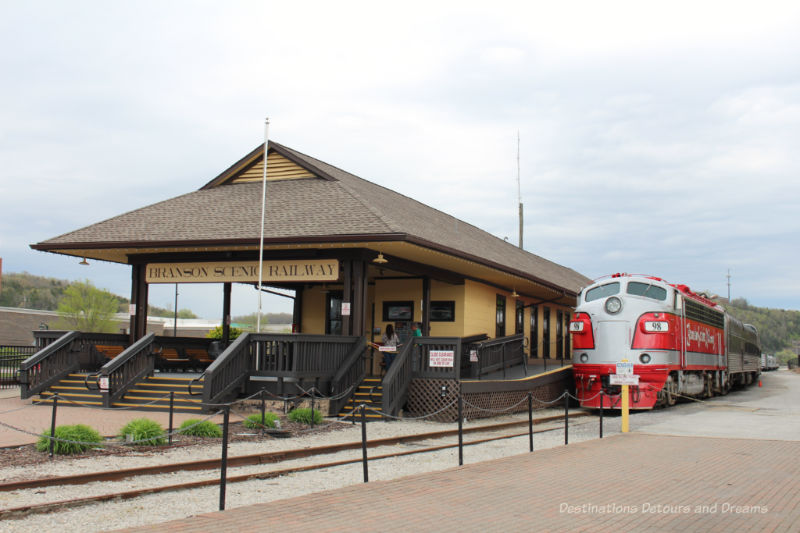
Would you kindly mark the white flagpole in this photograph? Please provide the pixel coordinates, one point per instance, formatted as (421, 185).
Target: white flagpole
(263, 209)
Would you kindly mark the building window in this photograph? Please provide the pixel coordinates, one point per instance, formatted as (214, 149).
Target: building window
(519, 325)
(443, 311)
(398, 311)
(546, 333)
(500, 317)
(567, 338)
(534, 331)
(559, 334)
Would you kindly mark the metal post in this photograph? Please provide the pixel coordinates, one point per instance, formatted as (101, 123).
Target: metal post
(460, 431)
(224, 463)
(364, 440)
(53, 426)
(171, 407)
(601, 414)
(312, 407)
(566, 417)
(263, 410)
(530, 420)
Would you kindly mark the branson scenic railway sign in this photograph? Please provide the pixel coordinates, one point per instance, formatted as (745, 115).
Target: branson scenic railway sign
(293, 270)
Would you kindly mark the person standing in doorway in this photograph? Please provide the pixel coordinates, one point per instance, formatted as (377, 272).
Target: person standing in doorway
(390, 340)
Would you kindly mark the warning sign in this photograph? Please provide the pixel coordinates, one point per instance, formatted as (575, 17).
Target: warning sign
(441, 358)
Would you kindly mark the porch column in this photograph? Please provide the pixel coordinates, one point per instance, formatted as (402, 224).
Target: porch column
(347, 296)
(139, 300)
(426, 306)
(226, 313)
(297, 309)
(359, 301)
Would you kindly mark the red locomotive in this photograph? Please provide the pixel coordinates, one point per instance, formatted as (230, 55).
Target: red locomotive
(680, 343)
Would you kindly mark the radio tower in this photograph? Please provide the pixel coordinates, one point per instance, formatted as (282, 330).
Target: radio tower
(729, 286)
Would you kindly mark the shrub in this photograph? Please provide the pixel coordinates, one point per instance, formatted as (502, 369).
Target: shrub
(216, 333)
(200, 428)
(303, 415)
(143, 432)
(82, 437)
(254, 421)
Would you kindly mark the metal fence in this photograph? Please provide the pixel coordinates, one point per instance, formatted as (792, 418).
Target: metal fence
(10, 359)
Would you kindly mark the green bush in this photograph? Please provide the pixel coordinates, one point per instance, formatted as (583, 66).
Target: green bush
(78, 433)
(148, 431)
(254, 421)
(303, 415)
(198, 428)
(216, 333)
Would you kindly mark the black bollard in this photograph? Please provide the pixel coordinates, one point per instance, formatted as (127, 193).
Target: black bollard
(566, 417)
(460, 431)
(601, 414)
(263, 410)
(312, 407)
(171, 407)
(223, 474)
(530, 420)
(53, 426)
(364, 440)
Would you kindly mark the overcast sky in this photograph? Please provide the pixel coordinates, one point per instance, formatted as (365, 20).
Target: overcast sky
(654, 139)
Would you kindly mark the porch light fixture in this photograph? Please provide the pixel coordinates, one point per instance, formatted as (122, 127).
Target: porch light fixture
(380, 259)
(514, 294)
(84, 262)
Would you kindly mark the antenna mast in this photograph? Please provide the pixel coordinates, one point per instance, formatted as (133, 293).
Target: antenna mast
(519, 194)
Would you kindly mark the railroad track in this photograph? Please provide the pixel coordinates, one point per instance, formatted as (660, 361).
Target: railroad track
(249, 460)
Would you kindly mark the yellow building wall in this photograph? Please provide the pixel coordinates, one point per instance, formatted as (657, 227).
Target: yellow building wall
(448, 292)
(480, 309)
(313, 313)
(394, 290)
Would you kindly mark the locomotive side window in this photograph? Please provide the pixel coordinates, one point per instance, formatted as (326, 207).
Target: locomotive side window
(602, 291)
(648, 291)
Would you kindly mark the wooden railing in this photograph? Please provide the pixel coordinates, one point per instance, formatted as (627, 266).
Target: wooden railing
(313, 359)
(427, 367)
(398, 377)
(127, 368)
(350, 374)
(49, 365)
(499, 354)
(229, 371)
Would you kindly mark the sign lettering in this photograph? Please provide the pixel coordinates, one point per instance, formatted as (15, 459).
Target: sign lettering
(299, 270)
(441, 358)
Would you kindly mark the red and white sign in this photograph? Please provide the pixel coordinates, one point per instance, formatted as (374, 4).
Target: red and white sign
(473, 356)
(441, 358)
(103, 382)
(345, 308)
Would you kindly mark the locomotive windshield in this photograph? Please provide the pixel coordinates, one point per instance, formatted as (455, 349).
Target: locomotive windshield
(648, 291)
(602, 291)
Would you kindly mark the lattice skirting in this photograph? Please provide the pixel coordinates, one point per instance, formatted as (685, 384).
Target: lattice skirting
(427, 396)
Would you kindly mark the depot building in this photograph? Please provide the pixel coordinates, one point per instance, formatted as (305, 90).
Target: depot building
(357, 256)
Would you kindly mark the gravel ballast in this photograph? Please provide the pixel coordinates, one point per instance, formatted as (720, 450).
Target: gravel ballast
(156, 508)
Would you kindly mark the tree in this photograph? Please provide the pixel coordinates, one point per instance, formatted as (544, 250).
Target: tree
(84, 307)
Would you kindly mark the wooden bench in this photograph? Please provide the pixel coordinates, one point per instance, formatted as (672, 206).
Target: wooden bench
(109, 351)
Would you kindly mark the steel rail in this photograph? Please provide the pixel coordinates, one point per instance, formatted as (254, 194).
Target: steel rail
(259, 458)
(19, 512)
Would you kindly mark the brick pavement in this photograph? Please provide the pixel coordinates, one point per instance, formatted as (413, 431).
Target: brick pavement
(627, 482)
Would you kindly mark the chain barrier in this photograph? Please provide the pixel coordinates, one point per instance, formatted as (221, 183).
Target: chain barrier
(410, 418)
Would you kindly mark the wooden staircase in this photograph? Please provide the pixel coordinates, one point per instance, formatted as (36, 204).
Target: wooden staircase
(71, 390)
(370, 393)
(150, 394)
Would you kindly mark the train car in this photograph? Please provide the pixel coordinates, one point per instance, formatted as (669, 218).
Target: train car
(681, 343)
(769, 362)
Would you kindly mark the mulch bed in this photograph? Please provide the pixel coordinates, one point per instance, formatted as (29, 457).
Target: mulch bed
(28, 455)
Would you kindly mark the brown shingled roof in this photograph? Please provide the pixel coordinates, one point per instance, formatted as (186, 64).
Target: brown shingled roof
(338, 205)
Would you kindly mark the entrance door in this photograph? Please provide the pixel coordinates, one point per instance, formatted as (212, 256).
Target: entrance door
(333, 313)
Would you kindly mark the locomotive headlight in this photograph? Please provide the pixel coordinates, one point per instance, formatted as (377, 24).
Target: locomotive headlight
(584, 358)
(644, 358)
(613, 305)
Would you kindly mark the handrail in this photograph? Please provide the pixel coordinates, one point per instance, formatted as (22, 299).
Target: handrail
(494, 354)
(48, 366)
(349, 375)
(96, 376)
(134, 363)
(197, 379)
(398, 378)
(229, 370)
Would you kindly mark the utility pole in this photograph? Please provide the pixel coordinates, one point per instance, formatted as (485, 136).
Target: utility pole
(729, 286)
(519, 194)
